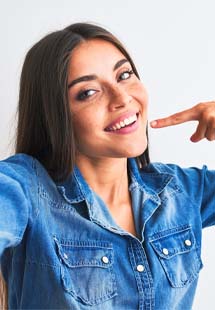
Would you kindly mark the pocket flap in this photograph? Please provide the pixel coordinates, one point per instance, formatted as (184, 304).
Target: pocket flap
(85, 253)
(172, 242)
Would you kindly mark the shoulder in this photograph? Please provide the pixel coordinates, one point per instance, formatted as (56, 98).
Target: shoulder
(172, 169)
(22, 168)
(18, 163)
(26, 173)
(182, 175)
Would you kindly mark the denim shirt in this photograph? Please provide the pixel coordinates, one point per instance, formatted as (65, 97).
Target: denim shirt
(60, 248)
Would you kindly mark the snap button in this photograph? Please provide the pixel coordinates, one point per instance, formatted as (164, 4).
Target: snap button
(105, 259)
(165, 251)
(188, 242)
(65, 255)
(140, 268)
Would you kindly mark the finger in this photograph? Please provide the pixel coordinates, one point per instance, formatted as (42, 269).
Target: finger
(199, 133)
(210, 134)
(175, 119)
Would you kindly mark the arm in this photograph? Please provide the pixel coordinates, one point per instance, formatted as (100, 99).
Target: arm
(199, 185)
(14, 204)
(3, 293)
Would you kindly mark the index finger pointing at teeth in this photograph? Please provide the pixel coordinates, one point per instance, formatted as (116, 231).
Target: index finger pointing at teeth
(174, 119)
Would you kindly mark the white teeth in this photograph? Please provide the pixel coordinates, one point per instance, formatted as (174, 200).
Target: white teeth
(124, 123)
(133, 118)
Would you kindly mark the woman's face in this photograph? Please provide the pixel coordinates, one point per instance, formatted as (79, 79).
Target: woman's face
(108, 102)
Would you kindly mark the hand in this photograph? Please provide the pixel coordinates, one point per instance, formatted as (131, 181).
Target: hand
(204, 113)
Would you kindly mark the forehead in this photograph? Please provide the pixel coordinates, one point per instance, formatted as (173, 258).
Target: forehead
(92, 56)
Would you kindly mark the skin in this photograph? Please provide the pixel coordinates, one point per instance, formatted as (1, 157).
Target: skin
(102, 155)
(98, 101)
(204, 113)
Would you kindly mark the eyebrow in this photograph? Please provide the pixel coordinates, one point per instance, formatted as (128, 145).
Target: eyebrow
(92, 77)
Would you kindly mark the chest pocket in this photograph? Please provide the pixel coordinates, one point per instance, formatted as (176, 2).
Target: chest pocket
(177, 252)
(87, 270)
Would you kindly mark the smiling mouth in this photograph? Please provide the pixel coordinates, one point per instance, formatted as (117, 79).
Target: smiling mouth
(127, 122)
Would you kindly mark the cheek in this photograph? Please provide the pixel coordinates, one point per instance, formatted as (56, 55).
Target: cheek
(140, 94)
(80, 127)
(143, 94)
(85, 125)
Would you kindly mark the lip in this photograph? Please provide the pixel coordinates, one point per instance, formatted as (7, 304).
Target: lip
(121, 118)
(127, 129)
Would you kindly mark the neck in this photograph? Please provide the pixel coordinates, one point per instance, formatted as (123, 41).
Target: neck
(108, 177)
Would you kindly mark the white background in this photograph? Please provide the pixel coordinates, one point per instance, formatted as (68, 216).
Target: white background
(173, 45)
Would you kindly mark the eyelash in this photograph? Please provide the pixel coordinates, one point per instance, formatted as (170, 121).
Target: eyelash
(83, 94)
(127, 71)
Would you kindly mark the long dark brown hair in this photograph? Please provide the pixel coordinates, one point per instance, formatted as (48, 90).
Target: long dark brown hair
(44, 128)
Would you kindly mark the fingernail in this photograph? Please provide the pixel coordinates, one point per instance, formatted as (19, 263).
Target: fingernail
(153, 123)
(193, 139)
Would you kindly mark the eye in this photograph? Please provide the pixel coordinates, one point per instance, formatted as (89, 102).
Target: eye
(85, 94)
(126, 75)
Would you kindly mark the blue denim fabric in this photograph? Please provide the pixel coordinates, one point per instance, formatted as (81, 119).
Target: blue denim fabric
(61, 249)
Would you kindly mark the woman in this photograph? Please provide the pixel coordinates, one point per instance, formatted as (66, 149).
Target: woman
(86, 221)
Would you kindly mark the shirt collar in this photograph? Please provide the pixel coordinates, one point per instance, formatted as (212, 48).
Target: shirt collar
(146, 182)
(148, 179)
(75, 189)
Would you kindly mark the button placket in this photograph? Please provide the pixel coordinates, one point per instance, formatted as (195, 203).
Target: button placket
(142, 273)
(140, 268)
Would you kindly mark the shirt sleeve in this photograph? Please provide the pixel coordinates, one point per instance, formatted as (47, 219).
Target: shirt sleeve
(208, 201)
(14, 204)
(200, 187)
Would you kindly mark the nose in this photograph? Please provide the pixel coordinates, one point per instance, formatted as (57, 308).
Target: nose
(119, 98)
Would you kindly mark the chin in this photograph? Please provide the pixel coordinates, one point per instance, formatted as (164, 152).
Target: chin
(137, 151)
